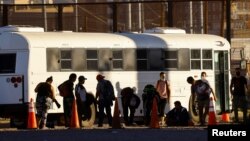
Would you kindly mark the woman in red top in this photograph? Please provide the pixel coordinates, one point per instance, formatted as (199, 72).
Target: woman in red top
(163, 89)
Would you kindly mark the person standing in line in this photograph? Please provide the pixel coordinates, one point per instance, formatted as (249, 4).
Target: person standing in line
(200, 91)
(163, 89)
(68, 98)
(238, 87)
(45, 96)
(103, 100)
(80, 93)
(203, 78)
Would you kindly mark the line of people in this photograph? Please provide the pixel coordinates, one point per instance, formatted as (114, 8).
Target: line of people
(104, 99)
(130, 101)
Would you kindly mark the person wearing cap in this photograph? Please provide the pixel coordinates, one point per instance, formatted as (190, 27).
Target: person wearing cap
(103, 103)
(80, 93)
(45, 96)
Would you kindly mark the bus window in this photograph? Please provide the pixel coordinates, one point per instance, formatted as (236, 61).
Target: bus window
(183, 59)
(207, 62)
(117, 60)
(129, 60)
(142, 59)
(92, 59)
(78, 59)
(170, 59)
(9, 65)
(53, 59)
(155, 59)
(195, 59)
(66, 59)
(104, 59)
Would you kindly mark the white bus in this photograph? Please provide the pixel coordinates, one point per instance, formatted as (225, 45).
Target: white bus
(28, 55)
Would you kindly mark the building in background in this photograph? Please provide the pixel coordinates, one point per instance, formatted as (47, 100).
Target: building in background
(122, 15)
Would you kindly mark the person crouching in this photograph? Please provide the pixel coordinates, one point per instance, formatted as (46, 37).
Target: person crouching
(129, 101)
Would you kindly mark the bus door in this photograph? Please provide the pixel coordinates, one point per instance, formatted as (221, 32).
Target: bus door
(11, 89)
(221, 70)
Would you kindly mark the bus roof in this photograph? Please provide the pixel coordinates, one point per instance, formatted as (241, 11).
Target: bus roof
(25, 40)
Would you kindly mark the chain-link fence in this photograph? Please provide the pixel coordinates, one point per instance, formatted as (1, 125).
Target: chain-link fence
(135, 16)
(110, 16)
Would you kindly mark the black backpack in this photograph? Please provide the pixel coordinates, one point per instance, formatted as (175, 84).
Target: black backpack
(202, 89)
(134, 101)
(110, 95)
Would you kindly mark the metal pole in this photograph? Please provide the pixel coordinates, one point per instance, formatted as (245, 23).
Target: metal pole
(76, 16)
(191, 16)
(139, 18)
(44, 16)
(205, 27)
(114, 22)
(228, 20)
(170, 13)
(110, 13)
(60, 17)
(202, 15)
(129, 21)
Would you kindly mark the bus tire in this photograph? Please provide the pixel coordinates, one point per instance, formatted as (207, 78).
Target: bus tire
(193, 110)
(19, 123)
(91, 110)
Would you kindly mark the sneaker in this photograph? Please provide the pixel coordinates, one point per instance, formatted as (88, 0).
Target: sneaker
(44, 128)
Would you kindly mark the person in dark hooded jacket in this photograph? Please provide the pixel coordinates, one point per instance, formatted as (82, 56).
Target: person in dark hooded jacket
(130, 101)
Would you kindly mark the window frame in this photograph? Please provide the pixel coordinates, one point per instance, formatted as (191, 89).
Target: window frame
(117, 59)
(66, 60)
(92, 59)
(165, 60)
(142, 59)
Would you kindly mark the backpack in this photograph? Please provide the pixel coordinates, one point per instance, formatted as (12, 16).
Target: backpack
(134, 101)
(202, 90)
(109, 91)
(63, 89)
(43, 89)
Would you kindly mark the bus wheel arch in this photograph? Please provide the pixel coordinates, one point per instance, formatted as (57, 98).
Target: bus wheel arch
(91, 110)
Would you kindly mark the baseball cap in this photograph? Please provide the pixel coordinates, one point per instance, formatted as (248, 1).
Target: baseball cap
(100, 77)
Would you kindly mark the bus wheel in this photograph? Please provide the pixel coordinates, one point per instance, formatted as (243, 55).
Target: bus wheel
(18, 123)
(193, 110)
(91, 110)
